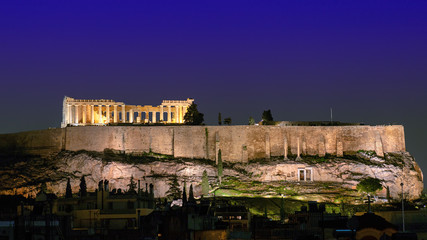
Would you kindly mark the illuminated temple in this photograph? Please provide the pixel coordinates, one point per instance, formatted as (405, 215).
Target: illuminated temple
(84, 112)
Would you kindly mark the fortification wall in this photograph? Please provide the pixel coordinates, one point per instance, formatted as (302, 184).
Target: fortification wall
(237, 143)
(41, 142)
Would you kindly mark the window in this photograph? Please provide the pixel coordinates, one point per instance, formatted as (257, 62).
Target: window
(301, 174)
(308, 174)
(305, 174)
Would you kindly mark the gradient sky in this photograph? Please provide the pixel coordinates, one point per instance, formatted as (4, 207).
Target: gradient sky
(365, 59)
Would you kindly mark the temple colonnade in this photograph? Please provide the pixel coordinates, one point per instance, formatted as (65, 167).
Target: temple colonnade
(85, 112)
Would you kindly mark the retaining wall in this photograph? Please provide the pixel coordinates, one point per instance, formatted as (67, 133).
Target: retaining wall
(237, 143)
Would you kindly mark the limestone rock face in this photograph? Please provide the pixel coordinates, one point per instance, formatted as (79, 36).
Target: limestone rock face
(349, 173)
(26, 177)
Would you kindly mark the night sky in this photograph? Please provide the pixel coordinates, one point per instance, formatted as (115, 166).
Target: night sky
(365, 59)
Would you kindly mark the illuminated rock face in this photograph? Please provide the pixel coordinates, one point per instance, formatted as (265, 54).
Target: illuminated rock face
(25, 177)
(86, 112)
(400, 168)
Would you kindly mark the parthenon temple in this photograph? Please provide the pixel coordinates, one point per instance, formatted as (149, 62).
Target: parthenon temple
(84, 112)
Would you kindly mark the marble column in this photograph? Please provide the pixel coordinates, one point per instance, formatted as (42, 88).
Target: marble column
(84, 112)
(92, 113)
(131, 116)
(161, 113)
(76, 109)
(99, 113)
(123, 114)
(108, 113)
(115, 113)
(140, 117)
(147, 116)
(169, 114)
(70, 116)
(176, 114)
(154, 117)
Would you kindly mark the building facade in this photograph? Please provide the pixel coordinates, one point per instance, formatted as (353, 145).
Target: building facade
(84, 112)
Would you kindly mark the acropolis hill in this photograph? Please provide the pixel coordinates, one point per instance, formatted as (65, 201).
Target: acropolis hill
(341, 154)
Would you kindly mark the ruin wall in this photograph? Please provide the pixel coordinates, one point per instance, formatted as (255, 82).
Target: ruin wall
(237, 143)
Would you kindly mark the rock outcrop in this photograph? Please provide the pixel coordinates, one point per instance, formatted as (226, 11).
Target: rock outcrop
(25, 174)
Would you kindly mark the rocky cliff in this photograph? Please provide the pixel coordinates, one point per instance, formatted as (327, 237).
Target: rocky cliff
(332, 177)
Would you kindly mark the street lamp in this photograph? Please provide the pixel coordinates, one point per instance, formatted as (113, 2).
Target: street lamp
(403, 209)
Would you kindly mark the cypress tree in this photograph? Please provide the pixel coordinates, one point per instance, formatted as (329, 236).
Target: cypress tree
(282, 209)
(83, 188)
(205, 183)
(184, 196)
(193, 116)
(68, 191)
(173, 192)
(132, 185)
(191, 195)
(267, 116)
(219, 166)
(265, 212)
(219, 119)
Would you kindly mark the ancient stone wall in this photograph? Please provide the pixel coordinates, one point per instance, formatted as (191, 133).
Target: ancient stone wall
(237, 143)
(41, 142)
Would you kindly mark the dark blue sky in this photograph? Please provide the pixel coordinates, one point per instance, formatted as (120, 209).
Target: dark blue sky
(366, 59)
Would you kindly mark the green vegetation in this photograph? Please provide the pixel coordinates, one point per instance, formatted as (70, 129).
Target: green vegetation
(395, 159)
(205, 184)
(132, 185)
(370, 153)
(184, 195)
(219, 119)
(251, 121)
(191, 198)
(174, 192)
(83, 188)
(267, 118)
(227, 121)
(369, 185)
(193, 116)
(220, 167)
(68, 192)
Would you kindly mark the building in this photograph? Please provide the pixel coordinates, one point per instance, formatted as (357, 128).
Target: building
(104, 211)
(86, 112)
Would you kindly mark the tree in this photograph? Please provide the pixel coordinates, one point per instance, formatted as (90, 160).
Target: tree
(369, 185)
(219, 166)
(282, 209)
(68, 192)
(205, 183)
(227, 121)
(184, 196)
(219, 119)
(174, 192)
(132, 185)
(193, 116)
(265, 212)
(266, 116)
(43, 187)
(83, 189)
(251, 121)
(191, 195)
